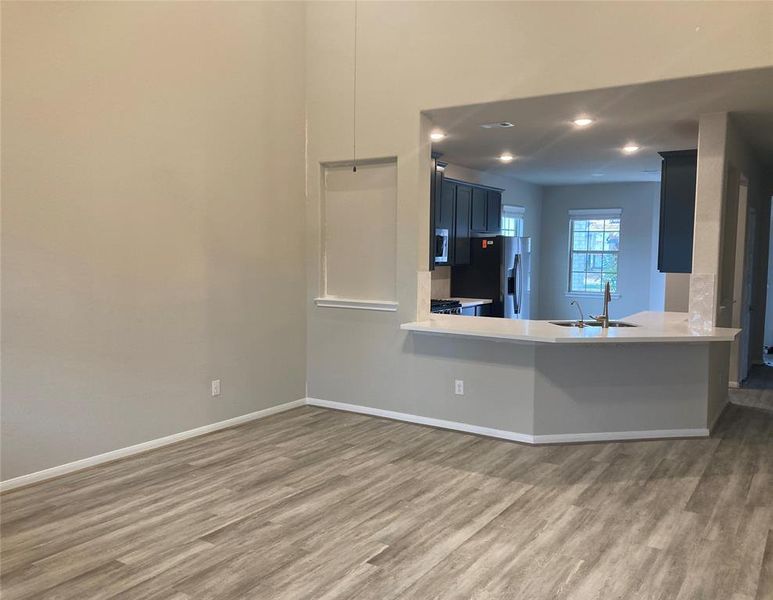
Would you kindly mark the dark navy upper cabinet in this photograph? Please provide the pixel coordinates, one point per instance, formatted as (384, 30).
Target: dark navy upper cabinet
(464, 210)
(677, 211)
(493, 211)
(444, 214)
(461, 237)
(486, 211)
(479, 211)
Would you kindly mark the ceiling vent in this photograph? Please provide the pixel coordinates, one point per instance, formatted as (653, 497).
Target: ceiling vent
(497, 125)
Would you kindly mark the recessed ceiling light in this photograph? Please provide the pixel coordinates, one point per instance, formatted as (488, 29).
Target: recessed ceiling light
(597, 175)
(582, 121)
(498, 125)
(630, 148)
(506, 157)
(436, 136)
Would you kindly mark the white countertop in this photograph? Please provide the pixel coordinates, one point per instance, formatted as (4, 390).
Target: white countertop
(671, 327)
(469, 302)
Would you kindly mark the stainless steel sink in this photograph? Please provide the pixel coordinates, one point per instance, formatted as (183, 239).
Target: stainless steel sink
(592, 324)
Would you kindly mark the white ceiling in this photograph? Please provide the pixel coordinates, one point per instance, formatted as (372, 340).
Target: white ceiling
(658, 116)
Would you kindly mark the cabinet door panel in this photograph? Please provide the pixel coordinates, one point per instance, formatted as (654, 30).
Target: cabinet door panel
(478, 210)
(444, 208)
(494, 211)
(677, 211)
(461, 240)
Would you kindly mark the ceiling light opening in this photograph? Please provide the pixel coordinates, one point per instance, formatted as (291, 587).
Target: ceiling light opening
(506, 157)
(437, 135)
(498, 125)
(630, 148)
(582, 121)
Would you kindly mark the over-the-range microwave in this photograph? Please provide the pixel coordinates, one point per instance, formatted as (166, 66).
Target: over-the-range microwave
(441, 246)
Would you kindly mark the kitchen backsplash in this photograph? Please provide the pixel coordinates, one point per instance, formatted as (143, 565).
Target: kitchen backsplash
(441, 282)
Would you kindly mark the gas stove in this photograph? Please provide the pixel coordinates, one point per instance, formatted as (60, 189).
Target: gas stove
(446, 307)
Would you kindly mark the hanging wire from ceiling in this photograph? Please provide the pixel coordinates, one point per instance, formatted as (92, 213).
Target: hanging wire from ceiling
(354, 96)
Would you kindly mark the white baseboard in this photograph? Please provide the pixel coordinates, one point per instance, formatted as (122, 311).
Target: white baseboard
(84, 463)
(408, 418)
(561, 438)
(719, 414)
(620, 436)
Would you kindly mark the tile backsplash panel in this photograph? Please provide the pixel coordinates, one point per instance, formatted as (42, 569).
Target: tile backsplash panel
(702, 303)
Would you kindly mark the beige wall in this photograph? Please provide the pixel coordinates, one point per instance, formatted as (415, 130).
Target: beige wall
(153, 193)
(152, 234)
(677, 292)
(415, 56)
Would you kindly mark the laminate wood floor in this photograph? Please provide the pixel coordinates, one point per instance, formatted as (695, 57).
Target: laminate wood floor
(757, 390)
(315, 503)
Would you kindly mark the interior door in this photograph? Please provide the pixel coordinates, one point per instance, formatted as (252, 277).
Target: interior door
(746, 307)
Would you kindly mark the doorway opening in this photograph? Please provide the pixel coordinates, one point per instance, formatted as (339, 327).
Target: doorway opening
(767, 351)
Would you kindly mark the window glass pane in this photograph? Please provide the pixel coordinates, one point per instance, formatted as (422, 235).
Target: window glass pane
(593, 254)
(578, 261)
(596, 225)
(511, 225)
(609, 263)
(580, 241)
(612, 240)
(508, 225)
(593, 282)
(594, 263)
(578, 282)
(595, 241)
(580, 225)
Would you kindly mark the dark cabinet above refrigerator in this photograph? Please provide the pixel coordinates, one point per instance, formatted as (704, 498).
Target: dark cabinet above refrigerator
(677, 211)
(460, 210)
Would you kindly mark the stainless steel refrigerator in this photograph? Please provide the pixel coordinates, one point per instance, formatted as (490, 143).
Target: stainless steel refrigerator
(500, 270)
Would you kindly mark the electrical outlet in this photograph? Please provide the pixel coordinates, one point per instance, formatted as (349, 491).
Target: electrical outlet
(215, 387)
(459, 387)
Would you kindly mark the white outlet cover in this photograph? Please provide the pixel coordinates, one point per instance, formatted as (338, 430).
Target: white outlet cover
(459, 387)
(215, 387)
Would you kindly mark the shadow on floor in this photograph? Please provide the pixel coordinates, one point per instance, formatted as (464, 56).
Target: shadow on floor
(757, 390)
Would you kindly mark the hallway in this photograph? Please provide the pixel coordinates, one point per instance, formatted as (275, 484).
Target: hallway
(757, 391)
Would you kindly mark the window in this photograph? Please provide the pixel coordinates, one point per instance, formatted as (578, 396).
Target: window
(512, 220)
(594, 246)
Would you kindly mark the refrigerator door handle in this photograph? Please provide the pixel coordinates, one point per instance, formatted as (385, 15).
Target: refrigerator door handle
(517, 285)
(520, 284)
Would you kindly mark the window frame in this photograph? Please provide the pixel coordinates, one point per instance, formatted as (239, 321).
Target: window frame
(586, 214)
(512, 211)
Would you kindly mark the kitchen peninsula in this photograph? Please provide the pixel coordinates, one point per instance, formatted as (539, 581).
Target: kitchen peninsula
(660, 378)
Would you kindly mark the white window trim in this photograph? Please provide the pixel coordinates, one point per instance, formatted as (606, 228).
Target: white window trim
(595, 212)
(578, 213)
(512, 211)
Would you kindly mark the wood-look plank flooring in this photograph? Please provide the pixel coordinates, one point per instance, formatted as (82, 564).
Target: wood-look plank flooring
(320, 504)
(757, 390)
